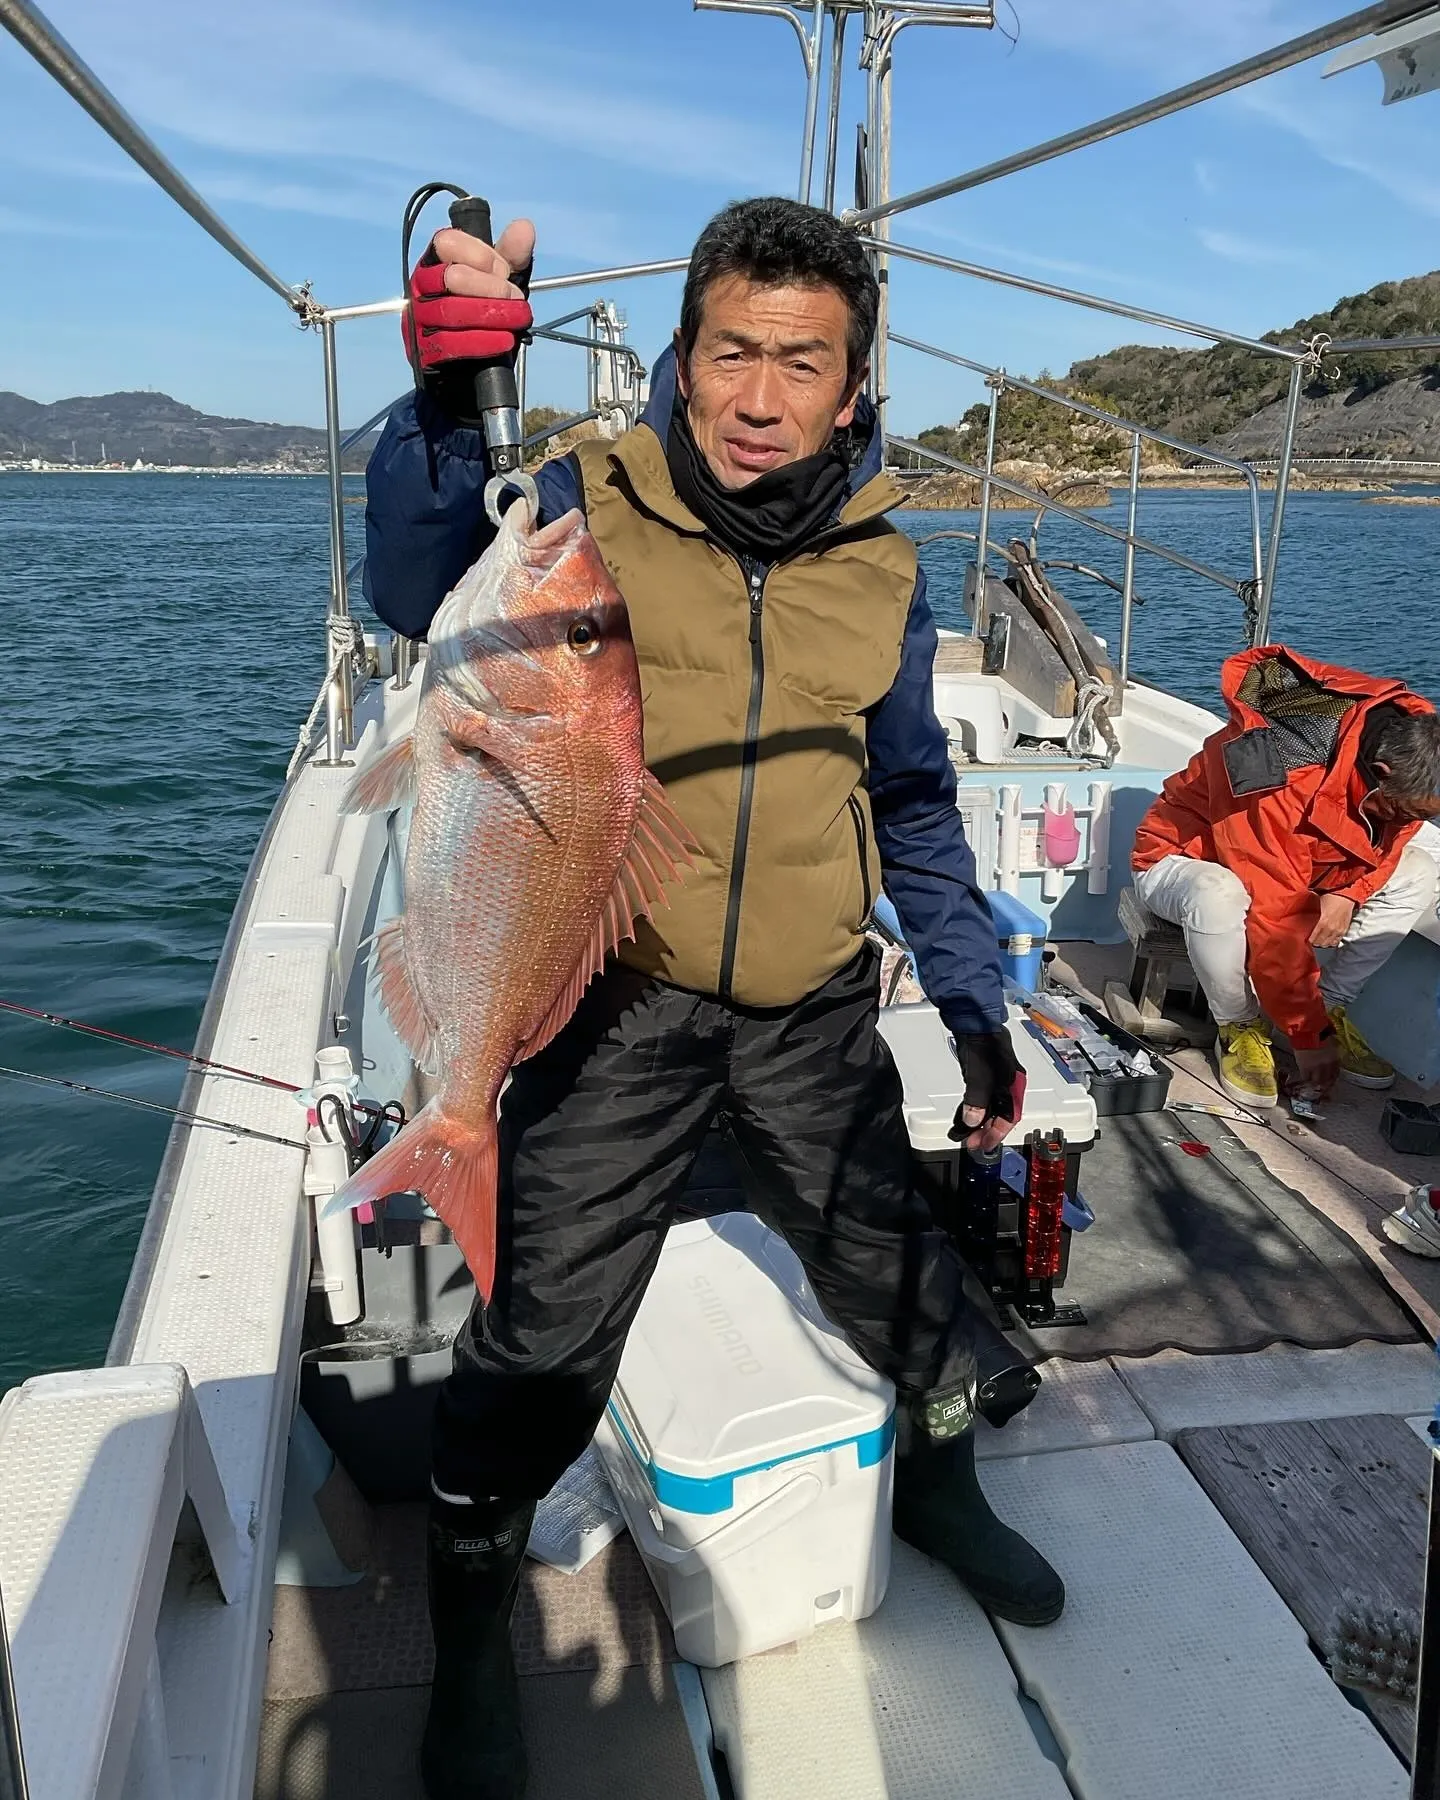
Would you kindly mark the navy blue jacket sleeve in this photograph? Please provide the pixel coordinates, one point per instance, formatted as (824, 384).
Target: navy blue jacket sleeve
(929, 869)
(425, 520)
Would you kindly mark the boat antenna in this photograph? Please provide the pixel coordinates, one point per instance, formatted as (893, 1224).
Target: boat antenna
(185, 1056)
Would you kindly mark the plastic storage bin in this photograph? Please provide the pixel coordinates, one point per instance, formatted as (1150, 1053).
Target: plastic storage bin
(1411, 1127)
(1054, 1101)
(749, 1447)
(1122, 1094)
(1022, 932)
(934, 1085)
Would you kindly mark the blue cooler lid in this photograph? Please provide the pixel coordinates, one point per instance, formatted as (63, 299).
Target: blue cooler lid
(1013, 918)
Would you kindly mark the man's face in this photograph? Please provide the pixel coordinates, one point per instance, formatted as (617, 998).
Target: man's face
(767, 382)
(1403, 808)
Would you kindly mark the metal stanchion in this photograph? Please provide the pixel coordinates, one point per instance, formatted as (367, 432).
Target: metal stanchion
(13, 1785)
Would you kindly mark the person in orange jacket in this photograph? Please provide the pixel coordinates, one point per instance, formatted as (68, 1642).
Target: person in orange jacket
(1287, 833)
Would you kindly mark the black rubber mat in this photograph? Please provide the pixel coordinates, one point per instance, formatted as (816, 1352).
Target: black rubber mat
(1207, 1252)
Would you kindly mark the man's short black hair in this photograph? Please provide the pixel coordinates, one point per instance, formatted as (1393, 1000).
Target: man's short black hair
(1408, 744)
(780, 243)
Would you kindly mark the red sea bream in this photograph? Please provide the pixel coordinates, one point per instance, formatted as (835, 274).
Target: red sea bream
(537, 839)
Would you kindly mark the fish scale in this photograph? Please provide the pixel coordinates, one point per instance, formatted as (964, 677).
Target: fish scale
(537, 839)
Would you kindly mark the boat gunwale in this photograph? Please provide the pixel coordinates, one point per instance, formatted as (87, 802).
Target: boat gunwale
(131, 1310)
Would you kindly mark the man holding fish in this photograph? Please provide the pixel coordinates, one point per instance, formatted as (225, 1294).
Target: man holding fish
(658, 947)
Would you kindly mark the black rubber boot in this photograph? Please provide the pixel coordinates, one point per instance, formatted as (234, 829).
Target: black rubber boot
(940, 1509)
(473, 1748)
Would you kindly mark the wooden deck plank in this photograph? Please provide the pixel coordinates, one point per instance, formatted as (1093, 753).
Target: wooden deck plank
(1328, 1508)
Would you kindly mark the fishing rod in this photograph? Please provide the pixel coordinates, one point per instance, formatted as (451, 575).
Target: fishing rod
(185, 1056)
(175, 1112)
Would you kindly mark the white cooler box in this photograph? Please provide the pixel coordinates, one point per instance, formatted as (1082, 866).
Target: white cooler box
(749, 1446)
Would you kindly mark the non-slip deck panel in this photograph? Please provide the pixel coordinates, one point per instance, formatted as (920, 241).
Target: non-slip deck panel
(624, 1739)
(350, 1667)
(1333, 1510)
(1176, 1670)
(917, 1702)
(376, 1634)
(1079, 1403)
(1206, 1252)
(1178, 1393)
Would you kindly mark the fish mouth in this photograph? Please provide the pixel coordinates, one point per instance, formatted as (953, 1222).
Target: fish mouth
(544, 548)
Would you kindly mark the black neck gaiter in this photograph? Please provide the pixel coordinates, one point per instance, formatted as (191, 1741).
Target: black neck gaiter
(773, 516)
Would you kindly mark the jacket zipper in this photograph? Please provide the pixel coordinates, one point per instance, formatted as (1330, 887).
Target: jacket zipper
(858, 818)
(755, 577)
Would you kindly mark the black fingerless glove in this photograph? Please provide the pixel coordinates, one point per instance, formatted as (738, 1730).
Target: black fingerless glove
(994, 1079)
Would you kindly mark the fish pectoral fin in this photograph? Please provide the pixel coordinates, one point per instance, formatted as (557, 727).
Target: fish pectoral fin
(402, 1000)
(662, 846)
(661, 850)
(386, 781)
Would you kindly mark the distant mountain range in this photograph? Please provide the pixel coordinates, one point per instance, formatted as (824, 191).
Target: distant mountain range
(153, 428)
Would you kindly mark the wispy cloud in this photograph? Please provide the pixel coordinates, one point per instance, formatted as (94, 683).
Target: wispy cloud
(1164, 38)
(1172, 44)
(25, 224)
(1253, 252)
(297, 80)
(1345, 135)
(1017, 254)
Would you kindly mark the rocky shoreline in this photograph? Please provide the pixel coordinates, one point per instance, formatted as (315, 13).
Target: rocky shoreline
(1090, 488)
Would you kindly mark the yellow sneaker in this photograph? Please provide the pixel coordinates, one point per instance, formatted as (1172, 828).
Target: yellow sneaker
(1246, 1063)
(1358, 1062)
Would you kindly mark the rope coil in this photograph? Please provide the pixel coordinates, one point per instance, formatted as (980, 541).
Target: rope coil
(347, 639)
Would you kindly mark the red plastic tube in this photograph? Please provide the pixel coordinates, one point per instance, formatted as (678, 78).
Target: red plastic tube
(1044, 1207)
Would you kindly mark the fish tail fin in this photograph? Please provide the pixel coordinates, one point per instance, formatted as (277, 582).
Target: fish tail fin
(454, 1165)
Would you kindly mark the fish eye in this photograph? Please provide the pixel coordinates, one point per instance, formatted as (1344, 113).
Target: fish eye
(583, 637)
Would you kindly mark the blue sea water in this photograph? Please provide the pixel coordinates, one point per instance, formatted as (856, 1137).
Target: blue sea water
(165, 638)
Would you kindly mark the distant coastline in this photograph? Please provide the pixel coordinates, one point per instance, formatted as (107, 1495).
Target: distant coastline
(49, 468)
(1085, 488)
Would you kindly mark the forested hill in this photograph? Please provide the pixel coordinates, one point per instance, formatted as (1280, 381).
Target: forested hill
(153, 428)
(1365, 404)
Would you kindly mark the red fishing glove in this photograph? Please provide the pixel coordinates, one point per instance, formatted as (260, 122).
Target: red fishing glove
(994, 1086)
(459, 327)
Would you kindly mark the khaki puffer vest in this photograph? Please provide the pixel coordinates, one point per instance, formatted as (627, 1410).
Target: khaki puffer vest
(754, 693)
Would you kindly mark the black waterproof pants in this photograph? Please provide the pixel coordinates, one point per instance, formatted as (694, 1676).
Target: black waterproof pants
(598, 1136)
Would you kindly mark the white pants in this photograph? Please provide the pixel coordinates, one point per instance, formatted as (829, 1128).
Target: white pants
(1209, 904)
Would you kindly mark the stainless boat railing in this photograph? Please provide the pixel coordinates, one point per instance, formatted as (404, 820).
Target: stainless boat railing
(1032, 497)
(1295, 50)
(997, 380)
(883, 21)
(35, 34)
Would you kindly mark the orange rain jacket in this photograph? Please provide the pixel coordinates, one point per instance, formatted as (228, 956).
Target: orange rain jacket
(1289, 844)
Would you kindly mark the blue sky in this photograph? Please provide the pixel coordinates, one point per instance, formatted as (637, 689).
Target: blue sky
(620, 129)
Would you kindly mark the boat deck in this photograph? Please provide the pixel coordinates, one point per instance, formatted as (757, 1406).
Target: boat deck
(1343, 1167)
(350, 1666)
(1189, 1661)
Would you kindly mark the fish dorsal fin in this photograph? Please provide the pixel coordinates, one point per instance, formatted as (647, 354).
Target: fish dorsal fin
(661, 850)
(386, 781)
(401, 999)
